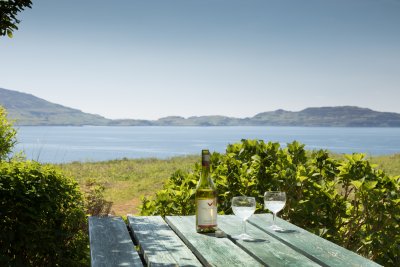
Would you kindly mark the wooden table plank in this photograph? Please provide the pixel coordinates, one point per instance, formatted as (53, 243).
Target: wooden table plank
(316, 248)
(210, 250)
(159, 244)
(111, 244)
(265, 248)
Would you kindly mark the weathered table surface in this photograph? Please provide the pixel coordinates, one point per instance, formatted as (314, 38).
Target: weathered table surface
(173, 241)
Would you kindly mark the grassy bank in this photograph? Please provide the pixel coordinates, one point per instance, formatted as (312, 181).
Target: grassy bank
(126, 180)
(390, 163)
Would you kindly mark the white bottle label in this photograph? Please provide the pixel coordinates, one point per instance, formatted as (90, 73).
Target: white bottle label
(207, 212)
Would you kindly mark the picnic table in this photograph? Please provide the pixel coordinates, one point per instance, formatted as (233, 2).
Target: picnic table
(173, 241)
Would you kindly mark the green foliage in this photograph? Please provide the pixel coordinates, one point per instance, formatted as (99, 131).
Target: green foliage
(8, 15)
(180, 187)
(347, 200)
(42, 220)
(389, 163)
(95, 203)
(7, 135)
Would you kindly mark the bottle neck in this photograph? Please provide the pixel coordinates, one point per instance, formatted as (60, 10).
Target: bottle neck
(205, 165)
(205, 178)
(205, 171)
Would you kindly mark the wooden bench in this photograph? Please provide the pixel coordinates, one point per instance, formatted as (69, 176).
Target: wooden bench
(111, 243)
(173, 241)
(159, 244)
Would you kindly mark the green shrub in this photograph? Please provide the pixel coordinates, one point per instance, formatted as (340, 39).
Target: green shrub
(42, 218)
(7, 135)
(95, 203)
(346, 201)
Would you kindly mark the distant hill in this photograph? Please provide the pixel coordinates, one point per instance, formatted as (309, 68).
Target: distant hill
(347, 116)
(27, 109)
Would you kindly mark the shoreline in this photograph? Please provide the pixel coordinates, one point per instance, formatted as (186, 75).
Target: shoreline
(335, 155)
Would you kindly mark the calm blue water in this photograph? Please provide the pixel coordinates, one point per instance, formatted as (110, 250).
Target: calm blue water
(97, 143)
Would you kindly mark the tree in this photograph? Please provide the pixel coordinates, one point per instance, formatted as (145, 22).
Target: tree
(8, 15)
(7, 135)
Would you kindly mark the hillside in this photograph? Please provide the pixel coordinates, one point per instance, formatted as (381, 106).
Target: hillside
(27, 109)
(345, 116)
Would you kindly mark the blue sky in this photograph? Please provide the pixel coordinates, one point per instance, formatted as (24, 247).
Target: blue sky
(151, 59)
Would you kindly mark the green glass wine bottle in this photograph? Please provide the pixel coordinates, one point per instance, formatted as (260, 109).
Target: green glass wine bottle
(206, 198)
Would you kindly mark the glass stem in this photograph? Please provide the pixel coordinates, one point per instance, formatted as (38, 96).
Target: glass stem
(273, 220)
(244, 227)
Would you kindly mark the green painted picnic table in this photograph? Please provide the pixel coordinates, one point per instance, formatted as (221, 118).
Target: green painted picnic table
(173, 241)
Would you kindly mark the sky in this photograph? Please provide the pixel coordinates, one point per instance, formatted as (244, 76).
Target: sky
(151, 59)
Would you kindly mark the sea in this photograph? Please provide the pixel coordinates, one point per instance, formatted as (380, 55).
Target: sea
(63, 144)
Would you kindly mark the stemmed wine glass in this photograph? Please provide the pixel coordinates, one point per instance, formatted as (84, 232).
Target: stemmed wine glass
(275, 202)
(243, 207)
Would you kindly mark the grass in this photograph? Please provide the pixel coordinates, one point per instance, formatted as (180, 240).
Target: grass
(127, 180)
(390, 163)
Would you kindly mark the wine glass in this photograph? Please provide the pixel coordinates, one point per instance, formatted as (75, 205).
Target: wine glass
(243, 207)
(274, 201)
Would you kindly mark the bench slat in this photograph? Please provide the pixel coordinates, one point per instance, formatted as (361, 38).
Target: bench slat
(319, 249)
(159, 244)
(110, 243)
(210, 250)
(265, 248)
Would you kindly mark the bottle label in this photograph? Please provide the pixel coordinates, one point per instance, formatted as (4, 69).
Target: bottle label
(207, 212)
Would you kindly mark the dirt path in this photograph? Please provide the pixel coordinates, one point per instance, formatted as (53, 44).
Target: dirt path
(129, 207)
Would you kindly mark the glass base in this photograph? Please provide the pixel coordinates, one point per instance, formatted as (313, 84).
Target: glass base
(276, 228)
(244, 237)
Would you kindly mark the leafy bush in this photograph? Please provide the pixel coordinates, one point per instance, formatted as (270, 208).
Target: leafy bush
(95, 203)
(7, 135)
(346, 201)
(42, 218)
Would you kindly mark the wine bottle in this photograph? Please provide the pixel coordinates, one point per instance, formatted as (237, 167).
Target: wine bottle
(206, 198)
